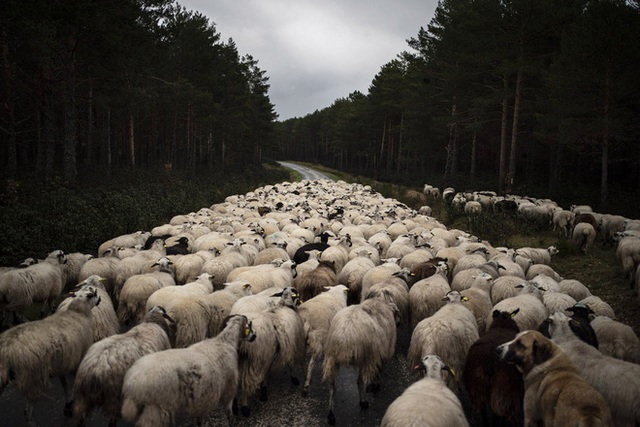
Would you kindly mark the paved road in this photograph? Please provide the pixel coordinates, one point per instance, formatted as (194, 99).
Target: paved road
(307, 173)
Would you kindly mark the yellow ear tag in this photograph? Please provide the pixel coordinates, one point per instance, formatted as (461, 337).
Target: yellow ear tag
(247, 331)
(452, 372)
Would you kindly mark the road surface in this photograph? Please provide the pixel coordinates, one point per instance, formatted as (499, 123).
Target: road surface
(307, 173)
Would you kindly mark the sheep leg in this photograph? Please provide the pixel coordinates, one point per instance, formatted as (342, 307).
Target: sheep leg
(331, 418)
(29, 414)
(307, 380)
(68, 402)
(362, 390)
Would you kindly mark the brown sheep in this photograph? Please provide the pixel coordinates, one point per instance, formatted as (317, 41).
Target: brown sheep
(314, 282)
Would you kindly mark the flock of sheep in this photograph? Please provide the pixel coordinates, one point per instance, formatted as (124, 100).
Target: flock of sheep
(198, 313)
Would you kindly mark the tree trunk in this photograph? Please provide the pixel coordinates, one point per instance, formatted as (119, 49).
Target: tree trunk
(474, 142)
(46, 143)
(604, 185)
(503, 135)
(400, 142)
(131, 142)
(89, 161)
(70, 117)
(384, 136)
(107, 135)
(514, 132)
(12, 141)
(451, 164)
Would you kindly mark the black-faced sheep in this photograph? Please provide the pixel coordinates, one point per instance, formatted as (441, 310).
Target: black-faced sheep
(428, 402)
(495, 389)
(193, 380)
(98, 381)
(362, 336)
(32, 353)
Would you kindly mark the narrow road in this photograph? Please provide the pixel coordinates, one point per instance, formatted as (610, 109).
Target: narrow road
(307, 173)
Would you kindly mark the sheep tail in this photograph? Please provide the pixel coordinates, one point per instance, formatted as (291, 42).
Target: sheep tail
(130, 409)
(153, 415)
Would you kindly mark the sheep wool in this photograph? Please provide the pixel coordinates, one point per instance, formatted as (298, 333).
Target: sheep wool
(351, 342)
(99, 378)
(427, 402)
(31, 352)
(192, 380)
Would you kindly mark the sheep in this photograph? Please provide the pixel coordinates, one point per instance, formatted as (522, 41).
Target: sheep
(427, 269)
(302, 255)
(38, 283)
(472, 207)
(381, 241)
(163, 297)
(536, 269)
(338, 253)
(563, 221)
(538, 255)
(580, 324)
(396, 290)
(495, 389)
(574, 288)
(99, 378)
(478, 299)
(125, 240)
(316, 314)
(379, 274)
(617, 380)
(448, 333)
(280, 343)
(311, 263)
(192, 380)
(31, 353)
(353, 273)
(583, 236)
(598, 306)
(425, 296)
(469, 261)
(402, 246)
(616, 339)
(140, 263)
(104, 321)
(529, 301)
(416, 257)
(218, 305)
(362, 336)
(577, 209)
(71, 268)
(314, 282)
(188, 267)
(267, 255)
(105, 267)
(265, 276)
(505, 287)
(556, 300)
(628, 252)
(428, 401)
(138, 288)
(451, 254)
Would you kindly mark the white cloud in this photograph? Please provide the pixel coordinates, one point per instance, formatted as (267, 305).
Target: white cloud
(317, 51)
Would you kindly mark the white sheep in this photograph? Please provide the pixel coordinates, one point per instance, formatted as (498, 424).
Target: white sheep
(338, 252)
(474, 260)
(478, 299)
(280, 343)
(628, 252)
(538, 255)
(598, 306)
(617, 380)
(31, 353)
(138, 288)
(378, 274)
(38, 283)
(163, 297)
(267, 255)
(104, 321)
(416, 257)
(140, 263)
(98, 381)
(574, 288)
(316, 314)
(505, 287)
(192, 380)
(583, 236)
(201, 315)
(616, 339)
(265, 276)
(394, 289)
(426, 295)
(402, 245)
(105, 267)
(448, 333)
(536, 269)
(188, 267)
(427, 402)
(362, 336)
(563, 221)
(353, 273)
(529, 301)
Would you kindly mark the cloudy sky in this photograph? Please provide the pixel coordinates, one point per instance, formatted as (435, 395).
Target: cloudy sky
(316, 51)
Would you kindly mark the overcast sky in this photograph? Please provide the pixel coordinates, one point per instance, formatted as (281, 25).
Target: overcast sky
(316, 51)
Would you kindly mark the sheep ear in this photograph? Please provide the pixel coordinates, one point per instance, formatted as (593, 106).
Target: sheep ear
(514, 312)
(279, 294)
(519, 286)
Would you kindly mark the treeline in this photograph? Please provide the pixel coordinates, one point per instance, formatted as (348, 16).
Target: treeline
(510, 95)
(93, 86)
